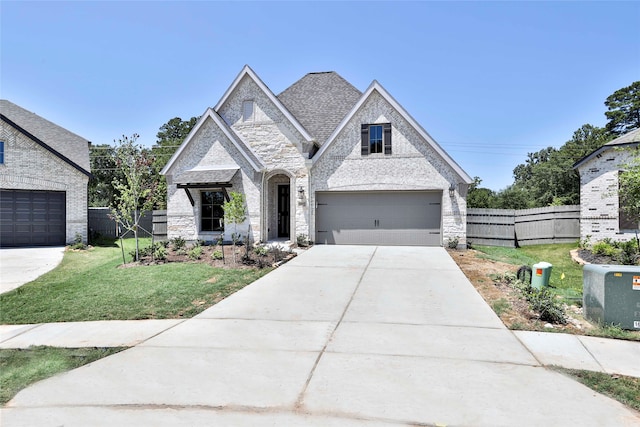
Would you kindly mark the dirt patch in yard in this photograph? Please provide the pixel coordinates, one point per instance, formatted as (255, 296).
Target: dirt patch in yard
(507, 301)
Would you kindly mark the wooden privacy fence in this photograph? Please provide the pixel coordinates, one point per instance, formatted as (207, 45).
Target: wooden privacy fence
(160, 225)
(101, 225)
(513, 228)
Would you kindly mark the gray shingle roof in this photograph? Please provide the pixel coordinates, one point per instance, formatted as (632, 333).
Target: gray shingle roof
(319, 101)
(628, 138)
(197, 176)
(67, 145)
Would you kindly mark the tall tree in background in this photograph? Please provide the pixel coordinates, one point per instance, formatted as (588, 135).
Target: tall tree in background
(630, 188)
(136, 189)
(624, 109)
(104, 171)
(170, 136)
(479, 197)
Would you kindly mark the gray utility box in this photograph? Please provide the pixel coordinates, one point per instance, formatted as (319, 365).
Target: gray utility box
(611, 295)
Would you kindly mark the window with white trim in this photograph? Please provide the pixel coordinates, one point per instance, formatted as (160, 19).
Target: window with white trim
(211, 212)
(375, 138)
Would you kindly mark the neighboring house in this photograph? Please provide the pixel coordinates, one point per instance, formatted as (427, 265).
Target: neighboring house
(323, 160)
(44, 175)
(601, 215)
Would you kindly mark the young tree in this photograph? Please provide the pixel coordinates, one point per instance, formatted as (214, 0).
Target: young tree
(235, 213)
(137, 189)
(624, 109)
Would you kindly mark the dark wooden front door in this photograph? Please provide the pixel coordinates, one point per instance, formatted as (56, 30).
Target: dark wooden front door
(283, 210)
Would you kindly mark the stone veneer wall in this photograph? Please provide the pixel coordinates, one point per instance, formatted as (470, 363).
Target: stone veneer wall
(413, 165)
(599, 204)
(28, 166)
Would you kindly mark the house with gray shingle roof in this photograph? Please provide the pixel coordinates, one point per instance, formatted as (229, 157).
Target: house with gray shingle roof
(601, 213)
(321, 160)
(44, 176)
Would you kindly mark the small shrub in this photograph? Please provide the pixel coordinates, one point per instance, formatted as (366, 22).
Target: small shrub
(604, 247)
(195, 253)
(302, 240)
(217, 254)
(261, 251)
(160, 252)
(78, 244)
(544, 303)
(629, 253)
(452, 242)
(178, 243)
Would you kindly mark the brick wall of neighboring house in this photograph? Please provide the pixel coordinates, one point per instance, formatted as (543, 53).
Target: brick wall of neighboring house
(599, 204)
(28, 166)
(413, 165)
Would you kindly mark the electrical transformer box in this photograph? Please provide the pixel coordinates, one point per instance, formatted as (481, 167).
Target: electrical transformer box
(611, 295)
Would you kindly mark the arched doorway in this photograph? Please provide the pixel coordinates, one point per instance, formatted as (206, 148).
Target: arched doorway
(280, 214)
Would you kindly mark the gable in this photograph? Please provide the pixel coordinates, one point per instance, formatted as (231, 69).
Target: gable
(376, 106)
(212, 141)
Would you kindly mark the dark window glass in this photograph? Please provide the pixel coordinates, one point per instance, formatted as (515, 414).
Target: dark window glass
(212, 214)
(375, 139)
(1, 152)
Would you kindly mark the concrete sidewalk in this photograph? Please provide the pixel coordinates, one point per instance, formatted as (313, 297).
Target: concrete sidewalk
(348, 336)
(550, 349)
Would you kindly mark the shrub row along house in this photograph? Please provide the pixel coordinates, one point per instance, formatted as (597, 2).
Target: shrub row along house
(320, 160)
(44, 176)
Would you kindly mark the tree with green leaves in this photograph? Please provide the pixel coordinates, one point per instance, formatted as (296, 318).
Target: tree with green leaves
(629, 187)
(104, 171)
(479, 197)
(137, 187)
(235, 213)
(623, 109)
(170, 136)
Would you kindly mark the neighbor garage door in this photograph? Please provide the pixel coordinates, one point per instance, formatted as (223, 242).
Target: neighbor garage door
(379, 218)
(32, 218)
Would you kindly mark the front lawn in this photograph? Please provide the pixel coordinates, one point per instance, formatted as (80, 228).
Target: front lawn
(92, 285)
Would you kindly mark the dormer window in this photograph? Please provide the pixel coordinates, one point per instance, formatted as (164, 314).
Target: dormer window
(248, 111)
(375, 139)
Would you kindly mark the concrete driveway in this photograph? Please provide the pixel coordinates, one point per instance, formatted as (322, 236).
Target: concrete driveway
(339, 336)
(23, 265)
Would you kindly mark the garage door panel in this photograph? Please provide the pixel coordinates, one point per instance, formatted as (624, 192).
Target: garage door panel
(379, 218)
(32, 218)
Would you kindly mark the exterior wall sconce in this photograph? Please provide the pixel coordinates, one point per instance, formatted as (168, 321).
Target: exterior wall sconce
(301, 199)
(452, 191)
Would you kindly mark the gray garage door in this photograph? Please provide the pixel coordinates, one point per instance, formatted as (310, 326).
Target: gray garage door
(32, 218)
(379, 218)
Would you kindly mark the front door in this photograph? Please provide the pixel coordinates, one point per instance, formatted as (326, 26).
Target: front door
(283, 210)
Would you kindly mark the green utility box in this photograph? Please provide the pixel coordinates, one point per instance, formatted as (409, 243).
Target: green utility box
(540, 274)
(611, 295)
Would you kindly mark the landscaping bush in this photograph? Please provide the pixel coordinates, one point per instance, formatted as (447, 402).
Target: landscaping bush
(178, 243)
(195, 252)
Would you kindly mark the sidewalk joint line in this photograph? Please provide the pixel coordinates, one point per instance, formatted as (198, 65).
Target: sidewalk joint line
(298, 403)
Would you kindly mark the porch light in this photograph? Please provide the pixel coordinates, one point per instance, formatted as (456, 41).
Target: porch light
(452, 191)
(301, 193)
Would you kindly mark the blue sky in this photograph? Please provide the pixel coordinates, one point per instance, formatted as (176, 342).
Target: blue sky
(490, 81)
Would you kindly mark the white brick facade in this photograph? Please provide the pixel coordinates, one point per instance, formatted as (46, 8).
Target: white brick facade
(29, 166)
(281, 148)
(599, 202)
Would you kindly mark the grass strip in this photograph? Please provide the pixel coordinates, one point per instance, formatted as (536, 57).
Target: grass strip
(21, 367)
(624, 389)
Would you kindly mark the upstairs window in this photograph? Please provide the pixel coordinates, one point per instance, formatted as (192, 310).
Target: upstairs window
(375, 139)
(247, 111)
(1, 152)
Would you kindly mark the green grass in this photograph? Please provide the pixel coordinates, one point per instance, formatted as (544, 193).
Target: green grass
(91, 285)
(570, 287)
(624, 389)
(20, 368)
